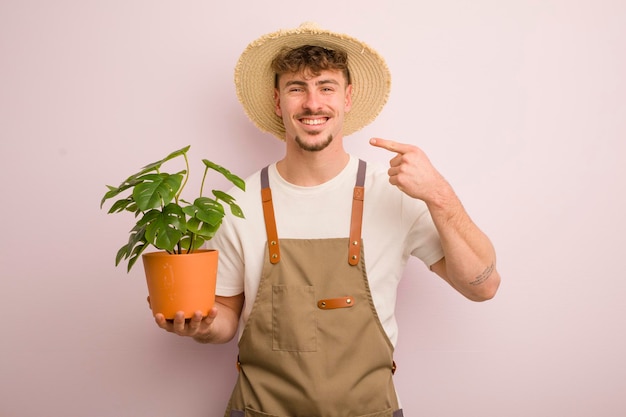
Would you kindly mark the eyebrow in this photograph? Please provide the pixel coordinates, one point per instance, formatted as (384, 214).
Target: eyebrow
(304, 83)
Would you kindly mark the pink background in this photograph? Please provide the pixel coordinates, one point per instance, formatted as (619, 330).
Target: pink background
(521, 104)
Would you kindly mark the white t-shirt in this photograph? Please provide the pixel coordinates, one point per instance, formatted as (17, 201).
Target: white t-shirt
(395, 226)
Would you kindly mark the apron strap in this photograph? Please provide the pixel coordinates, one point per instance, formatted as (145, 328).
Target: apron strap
(270, 220)
(354, 250)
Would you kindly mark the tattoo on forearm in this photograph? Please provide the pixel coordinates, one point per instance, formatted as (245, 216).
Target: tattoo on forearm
(483, 276)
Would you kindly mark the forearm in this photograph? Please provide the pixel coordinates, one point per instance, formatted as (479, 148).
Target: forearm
(470, 260)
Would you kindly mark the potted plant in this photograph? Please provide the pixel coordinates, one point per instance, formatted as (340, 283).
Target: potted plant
(180, 275)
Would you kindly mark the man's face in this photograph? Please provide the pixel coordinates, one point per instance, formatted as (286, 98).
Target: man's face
(313, 107)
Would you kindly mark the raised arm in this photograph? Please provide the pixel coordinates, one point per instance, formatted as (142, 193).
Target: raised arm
(469, 263)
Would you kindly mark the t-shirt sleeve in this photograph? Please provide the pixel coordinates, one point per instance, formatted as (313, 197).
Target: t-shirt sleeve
(423, 235)
(230, 270)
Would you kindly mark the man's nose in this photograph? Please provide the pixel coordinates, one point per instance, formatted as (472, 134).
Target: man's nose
(312, 101)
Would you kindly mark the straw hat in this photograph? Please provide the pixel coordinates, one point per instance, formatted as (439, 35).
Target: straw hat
(254, 79)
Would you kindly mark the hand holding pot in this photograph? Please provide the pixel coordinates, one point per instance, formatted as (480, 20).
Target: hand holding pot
(219, 326)
(197, 326)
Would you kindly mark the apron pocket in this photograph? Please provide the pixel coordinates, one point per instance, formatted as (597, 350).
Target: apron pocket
(293, 318)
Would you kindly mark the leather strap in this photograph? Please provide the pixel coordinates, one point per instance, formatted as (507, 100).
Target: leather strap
(354, 250)
(270, 220)
(331, 303)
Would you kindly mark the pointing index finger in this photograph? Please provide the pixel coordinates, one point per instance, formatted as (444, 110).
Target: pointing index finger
(389, 145)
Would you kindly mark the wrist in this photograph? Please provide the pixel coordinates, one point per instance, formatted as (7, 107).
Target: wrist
(444, 201)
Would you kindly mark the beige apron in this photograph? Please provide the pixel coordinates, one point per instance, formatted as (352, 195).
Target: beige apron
(313, 345)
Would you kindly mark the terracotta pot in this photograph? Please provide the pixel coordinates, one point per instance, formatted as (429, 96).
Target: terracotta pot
(183, 282)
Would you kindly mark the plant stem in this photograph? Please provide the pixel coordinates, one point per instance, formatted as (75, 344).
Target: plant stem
(192, 241)
(180, 190)
(206, 169)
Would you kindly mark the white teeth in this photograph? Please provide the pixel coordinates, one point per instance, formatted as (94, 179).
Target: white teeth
(313, 121)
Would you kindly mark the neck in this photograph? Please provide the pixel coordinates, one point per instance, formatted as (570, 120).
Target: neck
(307, 169)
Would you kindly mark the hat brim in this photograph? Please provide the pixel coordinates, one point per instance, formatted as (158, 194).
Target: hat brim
(254, 78)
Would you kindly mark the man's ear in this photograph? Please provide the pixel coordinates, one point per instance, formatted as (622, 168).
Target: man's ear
(348, 104)
(277, 110)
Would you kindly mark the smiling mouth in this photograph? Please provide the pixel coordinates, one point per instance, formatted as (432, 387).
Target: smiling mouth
(314, 122)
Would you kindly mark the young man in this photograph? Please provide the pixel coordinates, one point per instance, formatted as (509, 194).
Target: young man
(317, 329)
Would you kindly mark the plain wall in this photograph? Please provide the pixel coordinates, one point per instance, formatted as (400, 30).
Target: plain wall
(520, 104)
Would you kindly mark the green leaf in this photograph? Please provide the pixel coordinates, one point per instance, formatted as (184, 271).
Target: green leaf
(115, 191)
(221, 195)
(238, 182)
(124, 204)
(135, 255)
(164, 228)
(205, 216)
(185, 242)
(136, 238)
(206, 209)
(137, 178)
(234, 208)
(155, 166)
(201, 229)
(122, 253)
(156, 190)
